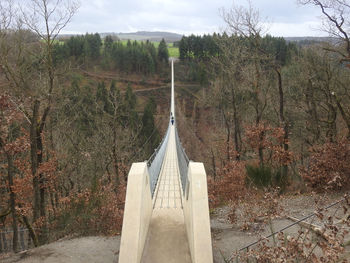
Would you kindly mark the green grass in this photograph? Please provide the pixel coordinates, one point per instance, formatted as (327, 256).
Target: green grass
(55, 41)
(173, 51)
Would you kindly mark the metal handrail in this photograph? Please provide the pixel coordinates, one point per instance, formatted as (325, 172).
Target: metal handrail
(155, 162)
(183, 161)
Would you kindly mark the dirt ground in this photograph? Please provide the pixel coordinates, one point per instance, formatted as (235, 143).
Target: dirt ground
(226, 237)
(77, 250)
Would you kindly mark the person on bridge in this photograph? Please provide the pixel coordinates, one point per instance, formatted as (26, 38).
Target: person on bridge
(172, 120)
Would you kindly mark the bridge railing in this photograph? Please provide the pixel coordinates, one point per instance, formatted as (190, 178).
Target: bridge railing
(155, 162)
(183, 161)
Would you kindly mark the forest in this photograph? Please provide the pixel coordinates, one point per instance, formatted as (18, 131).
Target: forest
(266, 115)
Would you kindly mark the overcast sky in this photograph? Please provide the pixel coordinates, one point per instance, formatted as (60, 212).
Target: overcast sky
(286, 17)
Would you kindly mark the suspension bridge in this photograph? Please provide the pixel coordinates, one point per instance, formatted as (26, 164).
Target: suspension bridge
(166, 215)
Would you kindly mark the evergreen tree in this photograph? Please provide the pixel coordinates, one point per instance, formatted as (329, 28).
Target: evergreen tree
(163, 54)
(108, 44)
(149, 135)
(183, 48)
(60, 53)
(129, 117)
(92, 46)
(75, 46)
(101, 93)
(130, 98)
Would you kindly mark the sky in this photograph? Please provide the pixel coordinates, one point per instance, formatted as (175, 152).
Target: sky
(284, 17)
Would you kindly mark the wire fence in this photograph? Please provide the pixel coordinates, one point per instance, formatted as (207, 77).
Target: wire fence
(6, 240)
(155, 162)
(247, 247)
(183, 161)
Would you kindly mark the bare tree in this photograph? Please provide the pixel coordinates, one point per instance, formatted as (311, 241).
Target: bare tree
(27, 44)
(46, 18)
(244, 21)
(6, 16)
(226, 88)
(336, 23)
(247, 24)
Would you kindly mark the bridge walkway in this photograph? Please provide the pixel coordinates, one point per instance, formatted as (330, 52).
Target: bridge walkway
(161, 224)
(167, 238)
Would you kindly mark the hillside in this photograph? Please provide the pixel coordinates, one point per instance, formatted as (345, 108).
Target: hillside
(152, 36)
(140, 36)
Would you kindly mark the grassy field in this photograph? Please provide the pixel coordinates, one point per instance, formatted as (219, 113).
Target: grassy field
(173, 51)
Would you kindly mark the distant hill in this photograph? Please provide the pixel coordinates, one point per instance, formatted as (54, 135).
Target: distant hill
(151, 36)
(140, 36)
(169, 37)
(311, 40)
(296, 39)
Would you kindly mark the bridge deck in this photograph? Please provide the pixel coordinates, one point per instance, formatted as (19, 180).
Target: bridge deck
(167, 238)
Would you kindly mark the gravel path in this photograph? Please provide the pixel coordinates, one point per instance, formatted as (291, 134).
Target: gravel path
(227, 237)
(77, 250)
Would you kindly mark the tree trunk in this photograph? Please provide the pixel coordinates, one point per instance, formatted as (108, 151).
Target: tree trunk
(331, 123)
(261, 151)
(36, 146)
(284, 124)
(228, 137)
(115, 155)
(345, 117)
(34, 159)
(213, 162)
(312, 110)
(237, 130)
(10, 170)
(41, 176)
(32, 233)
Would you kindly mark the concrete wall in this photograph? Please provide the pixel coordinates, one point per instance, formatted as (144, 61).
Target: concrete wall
(137, 214)
(196, 213)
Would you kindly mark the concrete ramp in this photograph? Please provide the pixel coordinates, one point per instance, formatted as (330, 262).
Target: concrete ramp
(196, 212)
(167, 238)
(137, 214)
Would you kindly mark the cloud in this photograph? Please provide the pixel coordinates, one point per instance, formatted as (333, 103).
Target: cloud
(184, 16)
(308, 28)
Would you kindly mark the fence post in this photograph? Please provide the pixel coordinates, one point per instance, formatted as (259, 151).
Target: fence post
(3, 236)
(21, 238)
(1, 246)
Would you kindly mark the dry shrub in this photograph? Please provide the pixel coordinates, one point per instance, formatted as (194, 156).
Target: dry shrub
(329, 166)
(229, 185)
(270, 140)
(324, 245)
(109, 214)
(259, 209)
(230, 188)
(93, 211)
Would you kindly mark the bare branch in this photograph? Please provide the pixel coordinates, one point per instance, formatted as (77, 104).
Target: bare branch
(337, 15)
(53, 14)
(6, 15)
